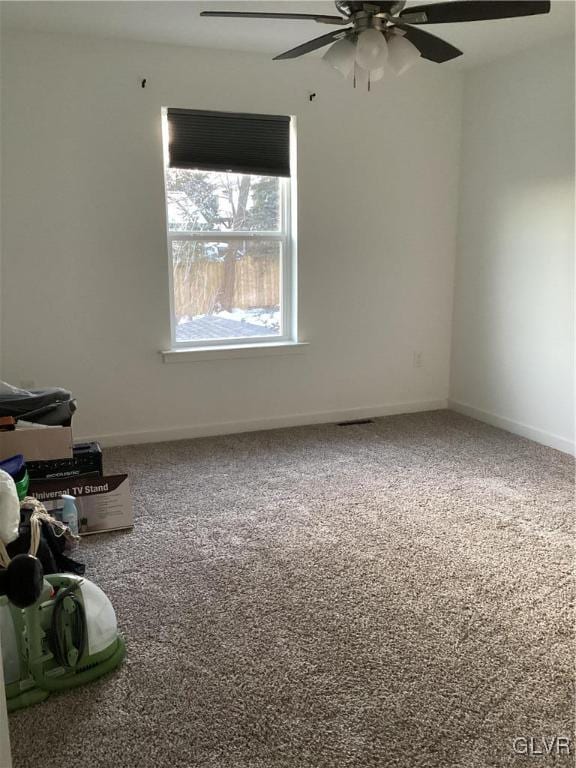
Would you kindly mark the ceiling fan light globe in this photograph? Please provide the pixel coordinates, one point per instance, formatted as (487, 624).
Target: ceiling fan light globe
(376, 74)
(341, 56)
(402, 54)
(371, 50)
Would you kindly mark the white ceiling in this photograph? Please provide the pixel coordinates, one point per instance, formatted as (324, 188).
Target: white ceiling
(178, 23)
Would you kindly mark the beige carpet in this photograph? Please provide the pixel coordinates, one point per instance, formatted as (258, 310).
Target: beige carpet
(394, 594)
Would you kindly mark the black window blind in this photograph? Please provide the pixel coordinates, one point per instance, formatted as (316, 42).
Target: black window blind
(223, 141)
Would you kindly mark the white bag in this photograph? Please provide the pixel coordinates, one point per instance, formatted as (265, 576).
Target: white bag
(9, 509)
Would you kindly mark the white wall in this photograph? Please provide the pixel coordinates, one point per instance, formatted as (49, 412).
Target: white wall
(513, 335)
(85, 291)
(5, 755)
(1, 91)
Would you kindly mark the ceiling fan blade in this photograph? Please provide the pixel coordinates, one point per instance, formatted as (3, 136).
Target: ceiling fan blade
(430, 46)
(290, 16)
(473, 10)
(312, 45)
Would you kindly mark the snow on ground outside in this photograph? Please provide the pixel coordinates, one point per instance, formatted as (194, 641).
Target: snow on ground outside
(238, 323)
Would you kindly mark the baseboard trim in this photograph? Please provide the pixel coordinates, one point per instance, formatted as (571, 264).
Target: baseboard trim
(257, 425)
(516, 427)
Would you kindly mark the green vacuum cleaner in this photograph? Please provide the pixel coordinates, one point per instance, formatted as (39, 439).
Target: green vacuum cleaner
(57, 632)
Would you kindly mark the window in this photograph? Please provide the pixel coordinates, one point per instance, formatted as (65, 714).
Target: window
(230, 244)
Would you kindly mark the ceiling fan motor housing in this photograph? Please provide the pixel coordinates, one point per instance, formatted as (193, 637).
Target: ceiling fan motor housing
(367, 15)
(351, 7)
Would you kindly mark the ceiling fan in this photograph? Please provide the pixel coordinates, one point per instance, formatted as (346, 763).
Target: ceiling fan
(372, 33)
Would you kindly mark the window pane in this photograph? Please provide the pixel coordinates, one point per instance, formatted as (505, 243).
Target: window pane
(205, 201)
(226, 289)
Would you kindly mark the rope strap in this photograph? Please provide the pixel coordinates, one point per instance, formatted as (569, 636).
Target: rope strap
(39, 515)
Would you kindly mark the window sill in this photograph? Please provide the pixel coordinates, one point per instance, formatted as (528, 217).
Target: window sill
(228, 352)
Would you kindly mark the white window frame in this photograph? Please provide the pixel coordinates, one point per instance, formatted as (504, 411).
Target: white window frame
(285, 236)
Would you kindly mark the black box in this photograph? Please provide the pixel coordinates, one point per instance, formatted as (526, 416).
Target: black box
(87, 460)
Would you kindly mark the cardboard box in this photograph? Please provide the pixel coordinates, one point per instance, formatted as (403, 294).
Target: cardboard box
(37, 443)
(103, 502)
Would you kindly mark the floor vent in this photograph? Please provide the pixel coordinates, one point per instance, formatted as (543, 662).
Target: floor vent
(354, 422)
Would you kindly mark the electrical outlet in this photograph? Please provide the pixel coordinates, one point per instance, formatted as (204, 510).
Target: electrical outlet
(418, 360)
